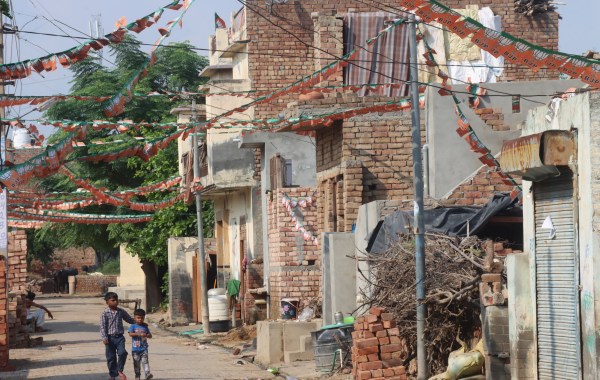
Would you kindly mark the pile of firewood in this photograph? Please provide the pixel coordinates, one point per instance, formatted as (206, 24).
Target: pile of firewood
(454, 267)
(530, 7)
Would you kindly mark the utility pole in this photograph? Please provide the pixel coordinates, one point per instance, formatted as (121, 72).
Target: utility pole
(419, 227)
(202, 259)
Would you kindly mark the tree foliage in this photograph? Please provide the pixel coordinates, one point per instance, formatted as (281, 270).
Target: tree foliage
(176, 67)
(5, 9)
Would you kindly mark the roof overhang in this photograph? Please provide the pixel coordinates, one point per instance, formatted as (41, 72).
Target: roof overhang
(537, 157)
(234, 48)
(209, 71)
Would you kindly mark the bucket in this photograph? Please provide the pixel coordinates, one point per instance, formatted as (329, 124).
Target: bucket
(330, 347)
(289, 308)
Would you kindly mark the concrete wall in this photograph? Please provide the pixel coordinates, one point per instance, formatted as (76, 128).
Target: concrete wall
(299, 149)
(228, 166)
(582, 114)
(238, 206)
(180, 254)
(521, 317)
(221, 43)
(368, 216)
(451, 159)
(218, 104)
(339, 275)
(131, 269)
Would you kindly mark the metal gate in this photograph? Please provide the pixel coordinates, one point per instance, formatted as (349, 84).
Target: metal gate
(557, 280)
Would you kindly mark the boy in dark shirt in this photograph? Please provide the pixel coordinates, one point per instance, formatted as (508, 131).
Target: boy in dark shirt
(140, 333)
(111, 332)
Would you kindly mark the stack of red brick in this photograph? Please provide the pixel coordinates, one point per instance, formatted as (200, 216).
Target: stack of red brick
(492, 289)
(17, 321)
(3, 316)
(377, 348)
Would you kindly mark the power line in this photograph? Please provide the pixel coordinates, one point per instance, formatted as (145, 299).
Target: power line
(249, 53)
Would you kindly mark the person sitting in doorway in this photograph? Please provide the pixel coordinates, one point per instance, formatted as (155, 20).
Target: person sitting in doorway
(39, 314)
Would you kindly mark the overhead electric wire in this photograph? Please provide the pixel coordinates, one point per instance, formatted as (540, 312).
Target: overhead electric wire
(248, 53)
(75, 29)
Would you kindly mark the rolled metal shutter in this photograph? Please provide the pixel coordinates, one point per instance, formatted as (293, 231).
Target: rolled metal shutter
(557, 281)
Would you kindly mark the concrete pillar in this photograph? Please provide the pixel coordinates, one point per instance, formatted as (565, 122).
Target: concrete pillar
(71, 285)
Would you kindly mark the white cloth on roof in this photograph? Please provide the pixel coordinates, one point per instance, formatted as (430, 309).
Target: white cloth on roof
(483, 70)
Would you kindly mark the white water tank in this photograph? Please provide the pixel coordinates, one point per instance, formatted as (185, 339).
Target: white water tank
(217, 305)
(21, 138)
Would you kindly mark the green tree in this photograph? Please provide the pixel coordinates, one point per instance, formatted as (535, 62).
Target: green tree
(5, 9)
(176, 66)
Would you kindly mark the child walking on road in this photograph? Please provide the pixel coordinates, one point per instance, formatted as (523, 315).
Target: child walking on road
(140, 333)
(111, 332)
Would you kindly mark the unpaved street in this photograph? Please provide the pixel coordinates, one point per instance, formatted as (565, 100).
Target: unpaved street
(73, 350)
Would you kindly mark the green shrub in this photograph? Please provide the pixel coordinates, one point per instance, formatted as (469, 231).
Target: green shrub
(110, 267)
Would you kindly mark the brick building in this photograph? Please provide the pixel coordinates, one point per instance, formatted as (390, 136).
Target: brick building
(358, 160)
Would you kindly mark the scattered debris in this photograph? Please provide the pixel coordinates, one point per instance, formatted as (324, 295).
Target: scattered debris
(236, 351)
(59, 348)
(273, 370)
(202, 347)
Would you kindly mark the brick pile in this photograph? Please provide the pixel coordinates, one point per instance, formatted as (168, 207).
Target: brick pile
(377, 348)
(3, 316)
(492, 289)
(17, 321)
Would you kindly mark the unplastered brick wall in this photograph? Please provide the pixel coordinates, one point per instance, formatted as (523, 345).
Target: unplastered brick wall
(360, 160)
(282, 52)
(295, 264)
(493, 117)
(75, 257)
(477, 190)
(88, 284)
(17, 261)
(3, 316)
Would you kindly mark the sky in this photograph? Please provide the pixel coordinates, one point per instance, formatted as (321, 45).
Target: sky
(578, 31)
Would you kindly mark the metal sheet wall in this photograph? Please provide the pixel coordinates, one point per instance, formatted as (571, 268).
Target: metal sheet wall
(557, 280)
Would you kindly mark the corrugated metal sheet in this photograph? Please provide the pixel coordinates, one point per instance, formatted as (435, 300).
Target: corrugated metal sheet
(558, 337)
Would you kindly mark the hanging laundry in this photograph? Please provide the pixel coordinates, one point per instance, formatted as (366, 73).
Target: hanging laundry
(384, 61)
(485, 68)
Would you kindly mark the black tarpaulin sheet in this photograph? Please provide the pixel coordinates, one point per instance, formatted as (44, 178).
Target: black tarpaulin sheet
(451, 221)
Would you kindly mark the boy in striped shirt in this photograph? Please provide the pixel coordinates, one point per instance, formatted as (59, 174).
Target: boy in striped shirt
(111, 332)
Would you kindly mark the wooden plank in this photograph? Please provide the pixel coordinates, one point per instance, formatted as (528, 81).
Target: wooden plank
(226, 253)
